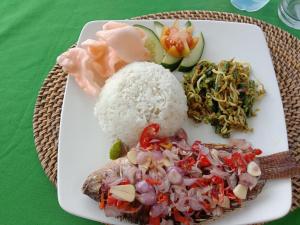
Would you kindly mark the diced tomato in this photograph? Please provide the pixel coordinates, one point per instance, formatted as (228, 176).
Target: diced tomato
(179, 46)
(161, 197)
(203, 161)
(153, 181)
(148, 134)
(154, 220)
(187, 163)
(257, 151)
(217, 180)
(179, 218)
(228, 161)
(111, 200)
(202, 182)
(125, 181)
(238, 161)
(249, 157)
(122, 204)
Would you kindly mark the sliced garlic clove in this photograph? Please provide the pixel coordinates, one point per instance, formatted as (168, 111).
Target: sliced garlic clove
(253, 169)
(131, 156)
(124, 192)
(240, 191)
(214, 154)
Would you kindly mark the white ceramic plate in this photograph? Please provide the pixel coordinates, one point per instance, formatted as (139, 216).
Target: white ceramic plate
(83, 147)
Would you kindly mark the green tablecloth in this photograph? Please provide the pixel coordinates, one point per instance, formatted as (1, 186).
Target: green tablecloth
(32, 34)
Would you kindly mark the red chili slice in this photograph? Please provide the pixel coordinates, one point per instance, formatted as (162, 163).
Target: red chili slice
(148, 134)
(257, 151)
(187, 163)
(249, 157)
(203, 161)
(162, 198)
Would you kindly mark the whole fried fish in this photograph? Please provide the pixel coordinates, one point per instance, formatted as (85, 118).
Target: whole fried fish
(212, 179)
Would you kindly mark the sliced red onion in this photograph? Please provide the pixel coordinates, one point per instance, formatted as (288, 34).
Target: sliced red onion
(130, 172)
(181, 135)
(232, 181)
(212, 161)
(223, 154)
(240, 143)
(111, 211)
(178, 169)
(142, 157)
(157, 155)
(159, 210)
(148, 198)
(139, 175)
(174, 176)
(166, 222)
(189, 181)
(195, 171)
(192, 192)
(154, 140)
(182, 145)
(161, 171)
(181, 205)
(218, 172)
(248, 180)
(164, 186)
(203, 190)
(203, 150)
(115, 182)
(195, 204)
(143, 187)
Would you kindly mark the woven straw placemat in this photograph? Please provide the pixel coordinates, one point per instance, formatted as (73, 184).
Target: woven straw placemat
(285, 51)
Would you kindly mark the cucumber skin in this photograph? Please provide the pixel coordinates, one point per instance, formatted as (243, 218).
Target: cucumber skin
(189, 68)
(158, 24)
(156, 37)
(173, 66)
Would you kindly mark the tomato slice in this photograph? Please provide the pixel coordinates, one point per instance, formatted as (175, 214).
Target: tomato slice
(148, 134)
(203, 161)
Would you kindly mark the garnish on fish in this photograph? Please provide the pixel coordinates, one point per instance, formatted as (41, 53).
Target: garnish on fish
(164, 179)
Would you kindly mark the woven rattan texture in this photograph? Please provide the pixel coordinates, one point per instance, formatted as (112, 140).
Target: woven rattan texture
(285, 51)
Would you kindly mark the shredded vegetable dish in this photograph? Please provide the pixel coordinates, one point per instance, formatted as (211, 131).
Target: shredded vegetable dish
(222, 95)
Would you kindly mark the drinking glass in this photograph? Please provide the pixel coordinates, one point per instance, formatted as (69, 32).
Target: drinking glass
(249, 5)
(289, 12)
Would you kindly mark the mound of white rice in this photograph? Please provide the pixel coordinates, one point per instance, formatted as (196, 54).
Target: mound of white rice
(139, 94)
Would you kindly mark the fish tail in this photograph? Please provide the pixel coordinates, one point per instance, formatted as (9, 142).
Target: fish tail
(279, 165)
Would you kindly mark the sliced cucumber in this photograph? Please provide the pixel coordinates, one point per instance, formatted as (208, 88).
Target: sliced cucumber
(191, 60)
(153, 44)
(170, 62)
(158, 27)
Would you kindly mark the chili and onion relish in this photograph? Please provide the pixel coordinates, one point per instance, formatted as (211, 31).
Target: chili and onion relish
(180, 182)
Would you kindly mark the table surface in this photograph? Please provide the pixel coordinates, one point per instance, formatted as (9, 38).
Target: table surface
(32, 34)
